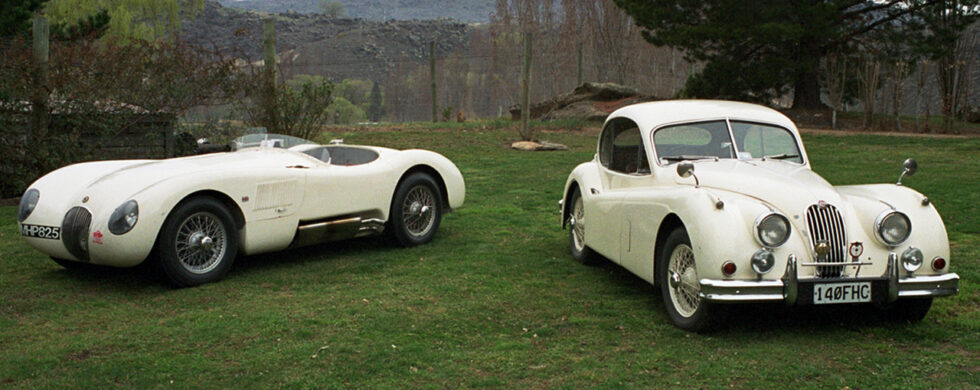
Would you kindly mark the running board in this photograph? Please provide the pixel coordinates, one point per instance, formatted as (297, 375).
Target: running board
(337, 229)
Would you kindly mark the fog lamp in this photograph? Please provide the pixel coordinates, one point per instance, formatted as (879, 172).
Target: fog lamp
(762, 261)
(912, 259)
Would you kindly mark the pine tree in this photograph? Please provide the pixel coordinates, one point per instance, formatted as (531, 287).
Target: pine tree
(376, 108)
(763, 49)
(15, 16)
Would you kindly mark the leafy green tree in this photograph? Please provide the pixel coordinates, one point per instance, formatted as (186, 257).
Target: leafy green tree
(15, 16)
(759, 50)
(354, 90)
(333, 9)
(376, 107)
(345, 112)
(300, 105)
(128, 19)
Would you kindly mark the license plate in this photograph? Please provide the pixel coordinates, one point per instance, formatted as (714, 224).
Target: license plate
(40, 231)
(824, 293)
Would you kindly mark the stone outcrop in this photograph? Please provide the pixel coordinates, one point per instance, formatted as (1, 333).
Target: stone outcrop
(589, 101)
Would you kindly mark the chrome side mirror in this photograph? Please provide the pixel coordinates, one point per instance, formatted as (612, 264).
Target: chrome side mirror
(908, 168)
(686, 169)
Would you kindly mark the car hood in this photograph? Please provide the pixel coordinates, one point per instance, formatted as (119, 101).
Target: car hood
(788, 187)
(123, 178)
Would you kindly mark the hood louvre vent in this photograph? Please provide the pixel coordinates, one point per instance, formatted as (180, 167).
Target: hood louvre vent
(826, 225)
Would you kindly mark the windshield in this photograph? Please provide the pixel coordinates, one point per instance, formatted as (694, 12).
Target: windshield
(756, 140)
(712, 140)
(272, 140)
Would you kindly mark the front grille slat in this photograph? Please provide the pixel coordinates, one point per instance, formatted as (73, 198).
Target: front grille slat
(827, 225)
(74, 232)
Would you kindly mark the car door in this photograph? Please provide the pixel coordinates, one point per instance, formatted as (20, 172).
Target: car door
(624, 167)
(339, 187)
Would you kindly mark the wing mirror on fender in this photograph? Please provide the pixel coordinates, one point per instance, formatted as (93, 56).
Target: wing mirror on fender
(908, 168)
(686, 169)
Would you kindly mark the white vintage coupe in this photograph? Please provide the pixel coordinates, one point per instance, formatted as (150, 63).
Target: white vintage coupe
(193, 215)
(715, 202)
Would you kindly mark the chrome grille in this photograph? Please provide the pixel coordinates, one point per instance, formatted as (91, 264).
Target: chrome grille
(827, 225)
(74, 232)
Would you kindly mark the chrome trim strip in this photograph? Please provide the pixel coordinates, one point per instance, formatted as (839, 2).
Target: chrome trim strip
(842, 264)
(790, 281)
(741, 291)
(787, 288)
(929, 285)
(892, 274)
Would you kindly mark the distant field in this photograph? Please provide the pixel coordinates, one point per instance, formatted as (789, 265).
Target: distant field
(494, 301)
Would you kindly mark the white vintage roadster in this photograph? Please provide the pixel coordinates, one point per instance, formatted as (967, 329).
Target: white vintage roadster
(715, 203)
(193, 215)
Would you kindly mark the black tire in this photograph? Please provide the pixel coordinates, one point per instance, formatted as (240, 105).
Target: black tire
(907, 310)
(416, 210)
(685, 308)
(576, 231)
(198, 243)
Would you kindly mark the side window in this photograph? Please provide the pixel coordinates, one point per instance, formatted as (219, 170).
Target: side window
(621, 148)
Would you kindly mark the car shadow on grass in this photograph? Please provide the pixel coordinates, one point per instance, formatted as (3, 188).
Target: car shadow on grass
(118, 279)
(326, 252)
(756, 318)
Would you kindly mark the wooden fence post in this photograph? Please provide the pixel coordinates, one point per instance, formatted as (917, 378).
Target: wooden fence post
(432, 76)
(526, 89)
(39, 103)
(269, 73)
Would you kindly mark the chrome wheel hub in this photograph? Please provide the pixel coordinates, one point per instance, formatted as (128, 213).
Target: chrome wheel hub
(201, 242)
(417, 211)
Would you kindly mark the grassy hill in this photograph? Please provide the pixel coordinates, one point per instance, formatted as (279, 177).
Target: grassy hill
(470, 11)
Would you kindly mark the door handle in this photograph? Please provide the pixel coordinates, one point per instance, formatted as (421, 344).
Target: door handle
(594, 191)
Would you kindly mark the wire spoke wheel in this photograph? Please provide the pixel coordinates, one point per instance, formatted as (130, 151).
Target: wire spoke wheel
(418, 210)
(578, 224)
(684, 287)
(201, 242)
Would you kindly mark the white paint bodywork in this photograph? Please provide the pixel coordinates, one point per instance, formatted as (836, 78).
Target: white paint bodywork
(273, 190)
(625, 212)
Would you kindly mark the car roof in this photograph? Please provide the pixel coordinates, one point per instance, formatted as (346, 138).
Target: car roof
(651, 115)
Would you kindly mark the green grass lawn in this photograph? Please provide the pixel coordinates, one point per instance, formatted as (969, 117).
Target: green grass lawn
(494, 301)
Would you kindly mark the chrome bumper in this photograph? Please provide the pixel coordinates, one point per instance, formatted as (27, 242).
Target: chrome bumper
(787, 288)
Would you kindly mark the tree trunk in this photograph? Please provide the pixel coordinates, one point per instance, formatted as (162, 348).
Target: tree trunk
(806, 91)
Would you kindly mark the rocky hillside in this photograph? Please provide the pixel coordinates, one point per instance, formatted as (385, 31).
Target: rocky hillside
(469, 11)
(314, 44)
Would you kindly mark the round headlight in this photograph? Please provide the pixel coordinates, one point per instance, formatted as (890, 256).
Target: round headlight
(27, 204)
(772, 230)
(893, 227)
(124, 217)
